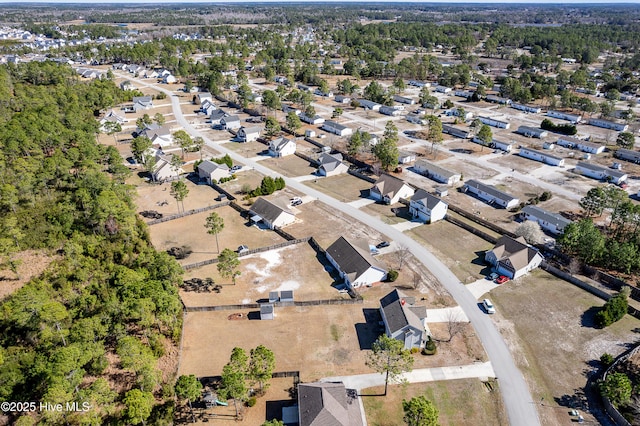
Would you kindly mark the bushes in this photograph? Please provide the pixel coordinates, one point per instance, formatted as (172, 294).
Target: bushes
(614, 309)
(392, 275)
(606, 360)
(251, 401)
(565, 129)
(268, 186)
(429, 347)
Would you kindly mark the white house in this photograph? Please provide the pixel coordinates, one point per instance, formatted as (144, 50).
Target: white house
(584, 146)
(534, 154)
(341, 99)
(513, 257)
(526, 108)
(599, 172)
(163, 170)
(437, 173)
(387, 110)
(159, 135)
(216, 116)
(416, 118)
(404, 100)
(628, 155)
(406, 157)
(204, 96)
(142, 102)
(443, 89)
(169, 79)
(606, 124)
(490, 194)
(467, 94)
(367, 104)
(497, 100)
(231, 122)
(403, 320)
(572, 118)
(427, 207)
(354, 263)
(504, 146)
(331, 165)
(548, 221)
(273, 213)
(455, 131)
(494, 122)
(455, 112)
(249, 134)
(281, 147)
(531, 132)
(336, 128)
(389, 189)
(316, 119)
(210, 171)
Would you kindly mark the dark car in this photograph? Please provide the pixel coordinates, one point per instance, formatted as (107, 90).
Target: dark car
(383, 244)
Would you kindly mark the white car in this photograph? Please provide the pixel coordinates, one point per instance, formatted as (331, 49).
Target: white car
(488, 306)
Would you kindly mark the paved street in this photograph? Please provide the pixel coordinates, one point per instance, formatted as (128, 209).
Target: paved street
(514, 389)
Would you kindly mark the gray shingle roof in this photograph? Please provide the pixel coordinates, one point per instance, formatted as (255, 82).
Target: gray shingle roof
(559, 221)
(434, 168)
(353, 257)
(388, 186)
(423, 197)
(398, 313)
(330, 161)
(327, 404)
(514, 252)
(490, 190)
(209, 167)
(269, 210)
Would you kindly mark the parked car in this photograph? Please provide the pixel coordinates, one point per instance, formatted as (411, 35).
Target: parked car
(493, 276)
(488, 306)
(235, 168)
(502, 279)
(296, 203)
(242, 249)
(383, 244)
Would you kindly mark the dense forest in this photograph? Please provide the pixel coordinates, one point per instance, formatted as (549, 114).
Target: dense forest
(92, 327)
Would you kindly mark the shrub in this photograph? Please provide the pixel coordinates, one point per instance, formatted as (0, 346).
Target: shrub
(392, 275)
(606, 360)
(415, 350)
(251, 401)
(565, 129)
(546, 195)
(613, 310)
(429, 347)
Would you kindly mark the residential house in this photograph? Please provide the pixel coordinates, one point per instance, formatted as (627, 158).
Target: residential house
(572, 118)
(513, 257)
(403, 320)
(111, 117)
(497, 100)
(541, 156)
(526, 108)
(336, 128)
(216, 116)
(288, 108)
(208, 106)
(455, 131)
(405, 157)
(342, 99)
(326, 404)
(404, 100)
(389, 189)
(443, 89)
(281, 147)
(272, 213)
(142, 103)
(204, 96)
(503, 146)
(316, 119)
(249, 134)
(628, 155)
(127, 85)
(331, 165)
(437, 173)
(169, 79)
(417, 83)
(494, 122)
(159, 135)
(575, 143)
(387, 110)
(416, 118)
(354, 262)
(455, 112)
(367, 104)
(210, 171)
(231, 122)
(427, 207)
(548, 221)
(490, 194)
(163, 170)
(467, 94)
(599, 172)
(531, 132)
(607, 124)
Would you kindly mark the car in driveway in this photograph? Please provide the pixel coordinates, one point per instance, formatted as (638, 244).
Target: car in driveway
(488, 306)
(502, 279)
(383, 244)
(243, 249)
(493, 276)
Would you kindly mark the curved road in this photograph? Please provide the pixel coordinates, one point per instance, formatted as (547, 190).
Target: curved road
(521, 409)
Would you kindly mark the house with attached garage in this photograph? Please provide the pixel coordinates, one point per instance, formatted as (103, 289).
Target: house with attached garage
(599, 172)
(216, 117)
(281, 147)
(331, 165)
(111, 117)
(402, 319)
(272, 213)
(249, 134)
(389, 189)
(427, 207)
(490, 194)
(210, 171)
(354, 262)
(324, 404)
(231, 122)
(437, 173)
(547, 220)
(159, 135)
(163, 170)
(141, 103)
(513, 257)
(204, 96)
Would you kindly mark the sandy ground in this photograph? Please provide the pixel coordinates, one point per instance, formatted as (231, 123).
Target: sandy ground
(30, 264)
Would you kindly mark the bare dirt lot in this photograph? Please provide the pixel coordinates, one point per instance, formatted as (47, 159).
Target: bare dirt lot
(290, 166)
(295, 267)
(549, 326)
(343, 187)
(247, 149)
(190, 231)
(152, 196)
(30, 264)
(459, 402)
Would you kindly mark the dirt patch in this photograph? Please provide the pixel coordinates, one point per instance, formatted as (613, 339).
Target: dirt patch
(290, 166)
(31, 263)
(342, 187)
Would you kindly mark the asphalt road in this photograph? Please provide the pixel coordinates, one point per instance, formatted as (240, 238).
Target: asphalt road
(519, 404)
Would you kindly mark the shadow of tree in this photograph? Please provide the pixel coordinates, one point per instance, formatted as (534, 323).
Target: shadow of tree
(588, 318)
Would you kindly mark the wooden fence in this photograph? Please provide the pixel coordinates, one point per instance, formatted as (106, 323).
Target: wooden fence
(188, 213)
(245, 306)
